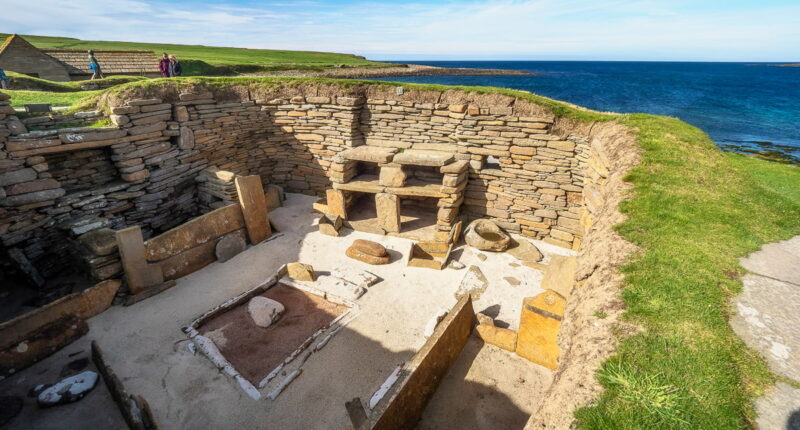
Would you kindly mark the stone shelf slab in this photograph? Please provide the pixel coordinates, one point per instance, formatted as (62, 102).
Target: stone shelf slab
(418, 157)
(371, 184)
(373, 154)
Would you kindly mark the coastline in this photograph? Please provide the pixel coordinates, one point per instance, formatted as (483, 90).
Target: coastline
(399, 71)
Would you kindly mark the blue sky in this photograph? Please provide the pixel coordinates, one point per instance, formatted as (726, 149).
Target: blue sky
(715, 30)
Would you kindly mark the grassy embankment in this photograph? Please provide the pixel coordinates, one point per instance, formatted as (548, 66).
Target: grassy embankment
(207, 60)
(694, 211)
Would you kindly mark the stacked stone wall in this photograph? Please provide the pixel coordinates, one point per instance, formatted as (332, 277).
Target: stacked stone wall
(144, 170)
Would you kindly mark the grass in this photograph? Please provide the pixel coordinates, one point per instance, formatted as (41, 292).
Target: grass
(21, 81)
(208, 60)
(694, 211)
(22, 97)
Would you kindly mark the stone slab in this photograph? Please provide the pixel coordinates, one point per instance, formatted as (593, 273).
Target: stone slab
(766, 317)
(426, 369)
(372, 154)
(195, 232)
(254, 207)
(779, 260)
(419, 157)
(539, 324)
(779, 408)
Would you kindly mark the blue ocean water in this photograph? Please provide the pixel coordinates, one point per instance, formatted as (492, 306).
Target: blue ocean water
(742, 106)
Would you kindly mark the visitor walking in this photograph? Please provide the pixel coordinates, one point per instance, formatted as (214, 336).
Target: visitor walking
(163, 65)
(175, 68)
(97, 72)
(3, 79)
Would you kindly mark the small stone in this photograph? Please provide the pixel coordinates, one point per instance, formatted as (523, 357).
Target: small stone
(484, 319)
(69, 389)
(264, 311)
(482, 257)
(485, 235)
(512, 281)
(186, 139)
(525, 251)
(16, 127)
(430, 327)
(356, 254)
(392, 176)
(301, 272)
(455, 264)
(229, 246)
(500, 337)
(473, 283)
(102, 241)
(330, 224)
(369, 247)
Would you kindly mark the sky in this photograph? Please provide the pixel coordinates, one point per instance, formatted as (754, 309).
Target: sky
(634, 30)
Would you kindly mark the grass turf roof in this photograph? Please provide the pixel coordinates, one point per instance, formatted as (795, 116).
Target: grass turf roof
(694, 211)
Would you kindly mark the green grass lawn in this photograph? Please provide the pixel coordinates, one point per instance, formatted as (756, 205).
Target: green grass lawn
(206, 60)
(694, 211)
(22, 97)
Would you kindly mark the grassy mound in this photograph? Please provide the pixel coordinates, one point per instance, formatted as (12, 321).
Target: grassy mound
(694, 211)
(19, 81)
(208, 60)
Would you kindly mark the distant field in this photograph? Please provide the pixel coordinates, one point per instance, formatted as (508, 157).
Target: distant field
(205, 60)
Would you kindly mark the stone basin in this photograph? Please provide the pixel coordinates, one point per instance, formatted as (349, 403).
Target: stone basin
(485, 235)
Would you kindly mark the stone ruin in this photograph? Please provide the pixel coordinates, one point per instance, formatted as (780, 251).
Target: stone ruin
(148, 200)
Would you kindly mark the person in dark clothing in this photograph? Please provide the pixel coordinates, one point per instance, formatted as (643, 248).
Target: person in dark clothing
(97, 72)
(3, 79)
(163, 65)
(175, 68)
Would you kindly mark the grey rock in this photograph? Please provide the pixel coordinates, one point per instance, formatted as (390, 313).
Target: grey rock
(69, 389)
(264, 311)
(229, 246)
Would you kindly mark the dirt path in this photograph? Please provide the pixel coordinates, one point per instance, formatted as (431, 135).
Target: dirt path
(768, 320)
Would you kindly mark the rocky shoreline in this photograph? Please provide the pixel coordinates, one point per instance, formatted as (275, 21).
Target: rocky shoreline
(400, 70)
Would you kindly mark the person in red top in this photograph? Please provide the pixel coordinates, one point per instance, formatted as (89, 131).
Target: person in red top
(163, 66)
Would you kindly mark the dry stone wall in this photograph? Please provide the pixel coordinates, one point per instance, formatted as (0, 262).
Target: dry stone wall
(59, 183)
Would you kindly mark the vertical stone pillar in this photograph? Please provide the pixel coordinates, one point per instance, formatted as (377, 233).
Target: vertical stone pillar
(138, 272)
(336, 203)
(388, 208)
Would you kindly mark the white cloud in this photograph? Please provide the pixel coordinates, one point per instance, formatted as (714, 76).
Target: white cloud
(580, 29)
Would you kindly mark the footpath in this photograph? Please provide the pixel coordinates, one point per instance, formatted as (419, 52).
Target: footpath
(767, 318)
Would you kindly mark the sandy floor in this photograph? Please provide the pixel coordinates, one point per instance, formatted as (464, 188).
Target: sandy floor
(144, 344)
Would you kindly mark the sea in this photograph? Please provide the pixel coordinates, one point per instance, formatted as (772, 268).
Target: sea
(744, 107)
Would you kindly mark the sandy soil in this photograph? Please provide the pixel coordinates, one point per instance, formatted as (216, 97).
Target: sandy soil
(254, 351)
